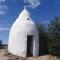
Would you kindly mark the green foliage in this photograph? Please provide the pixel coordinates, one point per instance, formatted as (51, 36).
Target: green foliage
(1, 46)
(54, 36)
(42, 39)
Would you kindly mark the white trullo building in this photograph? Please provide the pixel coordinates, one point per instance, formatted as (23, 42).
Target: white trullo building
(24, 37)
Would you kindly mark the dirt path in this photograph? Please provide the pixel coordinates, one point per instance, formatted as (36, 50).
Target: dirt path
(2, 52)
(3, 57)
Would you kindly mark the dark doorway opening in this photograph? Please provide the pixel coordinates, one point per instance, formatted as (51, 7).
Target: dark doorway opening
(29, 45)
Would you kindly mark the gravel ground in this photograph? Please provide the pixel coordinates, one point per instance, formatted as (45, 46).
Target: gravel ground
(5, 56)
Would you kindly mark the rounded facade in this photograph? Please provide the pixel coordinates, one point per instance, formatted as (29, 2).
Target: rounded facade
(21, 28)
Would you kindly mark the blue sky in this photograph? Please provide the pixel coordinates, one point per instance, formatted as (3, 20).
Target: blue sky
(10, 9)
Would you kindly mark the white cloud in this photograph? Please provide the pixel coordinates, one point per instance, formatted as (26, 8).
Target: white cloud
(2, 1)
(4, 28)
(3, 8)
(2, 12)
(32, 3)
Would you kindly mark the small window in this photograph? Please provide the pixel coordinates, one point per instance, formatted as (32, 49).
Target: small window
(27, 18)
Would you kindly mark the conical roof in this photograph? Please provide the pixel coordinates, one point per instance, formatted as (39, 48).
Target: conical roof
(24, 14)
(24, 23)
(24, 19)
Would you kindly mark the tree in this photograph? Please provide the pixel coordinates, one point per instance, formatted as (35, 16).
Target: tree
(42, 40)
(54, 36)
(1, 44)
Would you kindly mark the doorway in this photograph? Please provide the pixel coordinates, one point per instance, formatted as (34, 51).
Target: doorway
(29, 45)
